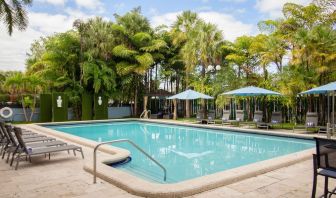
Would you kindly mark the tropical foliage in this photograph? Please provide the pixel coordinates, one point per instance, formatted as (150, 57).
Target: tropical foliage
(13, 14)
(128, 58)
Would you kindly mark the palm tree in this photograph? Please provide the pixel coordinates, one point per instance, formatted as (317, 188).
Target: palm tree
(182, 28)
(204, 50)
(24, 85)
(13, 14)
(135, 50)
(97, 68)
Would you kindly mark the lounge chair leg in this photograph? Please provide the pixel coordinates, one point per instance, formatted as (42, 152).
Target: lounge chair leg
(74, 152)
(82, 153)
(29, 159)
(7, 160)
(49, 156)
(4, 153)
(326, 187)
(17, 161)
(12, 160)
(314, 186)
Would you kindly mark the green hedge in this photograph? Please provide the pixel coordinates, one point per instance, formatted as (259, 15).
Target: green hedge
(100, 111)
(45, 108)
(87, 105)
(59, 114)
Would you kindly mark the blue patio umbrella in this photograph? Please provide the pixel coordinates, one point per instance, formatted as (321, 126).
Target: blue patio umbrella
(251, 91)
(187, 95)
(322, 89)
(190, 95)
(325, 89)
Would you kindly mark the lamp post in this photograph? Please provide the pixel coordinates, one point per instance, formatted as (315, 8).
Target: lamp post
(212, 68)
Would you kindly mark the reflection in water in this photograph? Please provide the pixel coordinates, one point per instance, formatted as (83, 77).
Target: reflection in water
(188, 152)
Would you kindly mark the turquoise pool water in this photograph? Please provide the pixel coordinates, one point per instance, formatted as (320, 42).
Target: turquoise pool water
(186, 152)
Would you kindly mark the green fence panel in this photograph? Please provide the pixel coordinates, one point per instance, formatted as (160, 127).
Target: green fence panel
(45, 108)
(60, 107)
(87, 106)
(100, 107)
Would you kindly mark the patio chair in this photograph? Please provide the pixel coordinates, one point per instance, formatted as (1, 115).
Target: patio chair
(168, 116)
(199, 117)
(211, 117)
(25, 150)
(226, 118)
(240, 115)
(323, 129)
(311, 120)
(324, 164)
(257, 119)
(14, 145)
(158, 115)
(276, 118)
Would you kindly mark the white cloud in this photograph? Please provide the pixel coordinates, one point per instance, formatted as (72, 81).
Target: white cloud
(53, 2)
(233, 1)
(14, 48)
(274, 7)
(231, 27)
(96, 5)
(165, 19)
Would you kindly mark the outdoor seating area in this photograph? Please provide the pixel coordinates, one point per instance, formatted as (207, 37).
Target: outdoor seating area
(324, 165)
(168, 99)
(18, 144)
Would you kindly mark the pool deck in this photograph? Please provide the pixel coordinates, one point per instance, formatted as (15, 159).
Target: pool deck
(63, 176)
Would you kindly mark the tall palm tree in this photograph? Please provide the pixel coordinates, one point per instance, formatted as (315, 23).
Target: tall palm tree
(203, 49)
(135, 50)
(182, 33)
(13, 14)
(97, 67)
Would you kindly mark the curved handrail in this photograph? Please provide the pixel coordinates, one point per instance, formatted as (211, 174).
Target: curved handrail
(142, 114)
(133, 144)
(145, 113)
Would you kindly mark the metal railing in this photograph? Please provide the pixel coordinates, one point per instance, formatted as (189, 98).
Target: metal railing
(133, 144)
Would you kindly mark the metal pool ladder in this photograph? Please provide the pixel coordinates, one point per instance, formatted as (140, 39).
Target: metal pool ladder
(145, 113)
(133, 144)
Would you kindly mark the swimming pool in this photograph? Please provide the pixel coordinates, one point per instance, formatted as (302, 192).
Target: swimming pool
(186, 152)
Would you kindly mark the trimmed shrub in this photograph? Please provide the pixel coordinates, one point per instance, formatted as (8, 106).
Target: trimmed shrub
(87, 106)
(45, 108)
(59, 114)
(100, 110)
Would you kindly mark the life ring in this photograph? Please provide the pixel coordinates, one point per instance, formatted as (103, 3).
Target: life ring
(4, 115)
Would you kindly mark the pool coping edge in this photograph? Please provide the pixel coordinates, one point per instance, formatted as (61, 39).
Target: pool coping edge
(138, 186)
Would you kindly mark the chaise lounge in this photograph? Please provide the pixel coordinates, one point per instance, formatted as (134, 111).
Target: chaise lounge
(28, 151)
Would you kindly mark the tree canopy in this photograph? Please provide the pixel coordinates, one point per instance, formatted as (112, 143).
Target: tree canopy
(128, 58)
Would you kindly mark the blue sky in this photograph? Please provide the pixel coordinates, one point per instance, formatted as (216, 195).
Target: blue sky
(233, 17)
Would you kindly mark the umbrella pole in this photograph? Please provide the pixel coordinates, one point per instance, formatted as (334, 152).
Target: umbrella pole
(328, 112)
(333, 113)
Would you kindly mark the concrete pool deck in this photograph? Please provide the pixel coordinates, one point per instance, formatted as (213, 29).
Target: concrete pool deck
(66, 162)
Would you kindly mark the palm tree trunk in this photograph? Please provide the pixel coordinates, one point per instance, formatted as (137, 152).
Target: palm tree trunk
(202, 100)
(24, 109)
(136, 101)
(33, 109)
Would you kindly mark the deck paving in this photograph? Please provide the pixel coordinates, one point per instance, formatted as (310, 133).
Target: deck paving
(63, 176)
